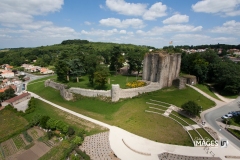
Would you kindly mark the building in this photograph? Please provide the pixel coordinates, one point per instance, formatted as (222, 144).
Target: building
(16, 100)
(7, 74)
(46, 71)
(19, 102)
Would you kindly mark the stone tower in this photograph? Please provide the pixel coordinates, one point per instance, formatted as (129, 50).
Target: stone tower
(161, 67)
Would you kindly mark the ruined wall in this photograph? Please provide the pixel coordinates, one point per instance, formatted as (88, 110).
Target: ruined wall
(89, 92)
(62, 88)
(161, 67)
(115, 93)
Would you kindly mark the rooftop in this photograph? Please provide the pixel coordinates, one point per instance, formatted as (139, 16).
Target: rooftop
(17, 98)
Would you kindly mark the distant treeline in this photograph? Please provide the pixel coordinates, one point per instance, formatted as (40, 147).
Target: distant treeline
(47, 55)
(211, 46)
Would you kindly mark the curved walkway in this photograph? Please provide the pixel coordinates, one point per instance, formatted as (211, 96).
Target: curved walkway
(144, 145)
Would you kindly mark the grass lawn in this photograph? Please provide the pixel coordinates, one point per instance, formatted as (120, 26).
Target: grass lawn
(234, 132)
(194, 134)
(188, 120)
(56, 152)
(113, 79)
(207, 90)
(130, 114)
(78, 124)
(179, 120)
(204, 134)
(10, 123)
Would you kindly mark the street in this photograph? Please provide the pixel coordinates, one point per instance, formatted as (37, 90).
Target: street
(216, 114)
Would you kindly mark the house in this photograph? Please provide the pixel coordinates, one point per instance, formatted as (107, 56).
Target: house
(7, 74)
(8, 67)
(46, 71)
(20, 102)
(6, 87)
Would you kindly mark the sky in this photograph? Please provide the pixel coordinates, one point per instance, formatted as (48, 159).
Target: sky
(33, 23)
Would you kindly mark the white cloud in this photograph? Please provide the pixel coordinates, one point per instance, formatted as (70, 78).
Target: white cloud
(100, 32)
(229, 27)
(31, 7)
(137, 9)
(170, 29)
(225, 7)
(36, 25)
(114, 22)
(198, 39)
(178, 18)
(122, 7)
(155, 11)
(18, 12)
(87, 23)
(122, 31)
(14, 18)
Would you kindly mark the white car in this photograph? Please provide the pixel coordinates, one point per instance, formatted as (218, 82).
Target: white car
(230, 115)
(225, 117)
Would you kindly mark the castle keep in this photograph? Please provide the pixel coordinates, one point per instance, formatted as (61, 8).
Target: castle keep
(161, 67)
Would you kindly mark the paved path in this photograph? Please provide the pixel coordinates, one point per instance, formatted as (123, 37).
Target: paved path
(130, 146)
(223, 125)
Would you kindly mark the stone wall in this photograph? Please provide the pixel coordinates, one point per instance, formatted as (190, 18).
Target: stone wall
(115, 93)
(62, 88)
(89, 92)
(161, 67)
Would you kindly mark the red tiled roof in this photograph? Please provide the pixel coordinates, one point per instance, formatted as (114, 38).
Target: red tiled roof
(2, 90)
(17, 98)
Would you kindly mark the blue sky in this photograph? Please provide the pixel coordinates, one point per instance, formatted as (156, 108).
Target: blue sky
(32, 23)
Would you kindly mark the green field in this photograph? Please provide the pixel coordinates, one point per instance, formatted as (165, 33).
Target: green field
(10, 124)
(234, 132)
(78, 124)
(130, 114)
(56, 152)
(113, 79)
(207, 90)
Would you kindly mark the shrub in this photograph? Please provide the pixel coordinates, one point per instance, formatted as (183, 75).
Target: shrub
(191, 107)
(27, 136)
(82, 154)
(135, 84)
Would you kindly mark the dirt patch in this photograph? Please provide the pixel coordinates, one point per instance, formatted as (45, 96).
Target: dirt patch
(35, 133)
(34, 153)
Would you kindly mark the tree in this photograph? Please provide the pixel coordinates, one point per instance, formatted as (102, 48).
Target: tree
(91, 63)
(77, 140)
(70, 131)
(62, 68)
(101, 76)
(134, 59)
(43, 121)
(117, 59)
(7, 94)
(191, 107)
(76, 68)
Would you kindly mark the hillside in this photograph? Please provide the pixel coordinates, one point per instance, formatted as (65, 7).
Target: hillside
(46, 55)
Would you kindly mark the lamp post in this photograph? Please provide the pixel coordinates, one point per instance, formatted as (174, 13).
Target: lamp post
(226, 123)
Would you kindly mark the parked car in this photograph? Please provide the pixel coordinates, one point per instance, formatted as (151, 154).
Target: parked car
(230, 115)
(225, 117)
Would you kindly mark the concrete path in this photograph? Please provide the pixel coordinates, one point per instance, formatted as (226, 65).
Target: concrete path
(130, 146)
(228, 126)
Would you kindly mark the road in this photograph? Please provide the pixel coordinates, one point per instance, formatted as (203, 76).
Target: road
(21, 87)
(215, 114)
